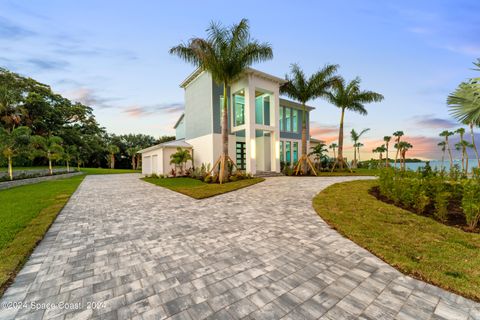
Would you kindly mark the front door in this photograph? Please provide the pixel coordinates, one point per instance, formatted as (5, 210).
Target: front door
(241, 155)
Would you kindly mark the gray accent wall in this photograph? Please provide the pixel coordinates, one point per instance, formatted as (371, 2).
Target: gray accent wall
(198, 107)
(180, 130)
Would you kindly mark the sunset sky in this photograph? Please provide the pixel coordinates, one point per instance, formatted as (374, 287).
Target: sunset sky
(113, 56)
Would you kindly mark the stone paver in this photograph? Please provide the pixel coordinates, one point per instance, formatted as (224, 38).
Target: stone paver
(126, 249)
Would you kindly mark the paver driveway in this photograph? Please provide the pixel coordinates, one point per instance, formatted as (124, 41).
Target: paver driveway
(129, 249)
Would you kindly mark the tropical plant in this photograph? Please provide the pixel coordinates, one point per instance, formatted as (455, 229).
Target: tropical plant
(462, 146)
(319, 151)
(13, 143)
(48, 147)
(380, 150)
(132, 152)
(226, 53)
(387, 143)
(112, 149)
(447, 134)
(398, 136)
(303, 89)
(403, 147)
(471, 202)
(355, 136)
(443, 147)
(334, 147)
(349, 96)
(69, 153)
(180, 158)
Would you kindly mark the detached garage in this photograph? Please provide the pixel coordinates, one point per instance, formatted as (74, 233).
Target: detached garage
(156, 159)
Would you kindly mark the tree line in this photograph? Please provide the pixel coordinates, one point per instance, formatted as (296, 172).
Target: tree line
(40, 127)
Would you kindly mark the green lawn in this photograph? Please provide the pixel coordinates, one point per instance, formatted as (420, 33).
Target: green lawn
(26, 213)
(418, 246)
(198, 189)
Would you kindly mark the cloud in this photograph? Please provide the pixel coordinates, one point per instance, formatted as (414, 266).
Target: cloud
(88, 97)
(430, 121)
(319, 131)
(47, 64)
(142, 111)
(10, 30)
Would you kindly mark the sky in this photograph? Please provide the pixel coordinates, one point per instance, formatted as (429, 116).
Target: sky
(113, 56)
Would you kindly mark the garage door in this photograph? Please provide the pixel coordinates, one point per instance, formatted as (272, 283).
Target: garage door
(155, 164)
(146, 165)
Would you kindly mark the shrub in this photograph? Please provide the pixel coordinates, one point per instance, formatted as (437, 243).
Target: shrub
(442, 199)
(471, 202)
(154, 175)
(287, 170)
(207, 179)
(422, 202)
(232, 178)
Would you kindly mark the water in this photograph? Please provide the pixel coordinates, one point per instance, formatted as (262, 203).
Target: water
(472, 163)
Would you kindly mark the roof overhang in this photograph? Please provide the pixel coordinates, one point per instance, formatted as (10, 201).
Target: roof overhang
(179, 120)
(169, 144)
(293, 104)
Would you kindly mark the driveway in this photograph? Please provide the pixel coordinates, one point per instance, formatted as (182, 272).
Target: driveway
(123, 248)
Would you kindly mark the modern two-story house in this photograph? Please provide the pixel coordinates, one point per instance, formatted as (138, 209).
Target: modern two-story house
(264, 129)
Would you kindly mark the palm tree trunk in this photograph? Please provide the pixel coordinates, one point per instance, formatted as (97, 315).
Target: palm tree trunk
(304, 139)
(112, 161)
(340, 141)
(10, 168)
(358, 152)
(223, 163)
(474, 145)
(68, 166)
(334, 153)
(443, 160)
(449, 152)
(386, 157)
(139, 161)
(133, 162)
(354, 164)
(50, 166)
(396, 154)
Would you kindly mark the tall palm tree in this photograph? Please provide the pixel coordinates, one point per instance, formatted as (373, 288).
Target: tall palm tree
(48, 147)
(226, 53)
(13, 142)
(380, 150)
(398, 136)
(132, 152)
(447, 134)
(403, 146)
(387, 142)
(443, 147)
(303, 89)
(462, 146)
(112, 151)
(334, 147)
(349, 96)
(355, 136)
(464, 105)
(359, 145)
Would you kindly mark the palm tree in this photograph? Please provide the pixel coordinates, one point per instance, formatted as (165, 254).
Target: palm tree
(443, 147)
(462, 146)
(132, 152)
(48, 147)
(319, 151)
(349, 96)
(355, 136)
(398, 136)
(464, 106)
(69, 153)
(180, 157)
(380, 150)
(226, 53)
(403, 146)
(387, 142)
(13, 143)
(112, 151)
(447, 134)
(334, 147)
(303, 89)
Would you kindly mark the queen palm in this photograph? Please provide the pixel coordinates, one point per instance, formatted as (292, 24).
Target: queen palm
(112, 151)
(13, 143)
(447, 134)
(380, 150)
(403, 146)
(464, 106)
(303, 89)
(226, 53)
(355, 136)
(462, 146)
(48, 147)
(132, 152)
(387, 142)
(349, 96)
(443, 147)
(398, 136)
(334, 147)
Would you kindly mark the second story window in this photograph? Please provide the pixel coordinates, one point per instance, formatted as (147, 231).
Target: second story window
(239, 108)
(281, 118)
(295, 120)
(288, 120)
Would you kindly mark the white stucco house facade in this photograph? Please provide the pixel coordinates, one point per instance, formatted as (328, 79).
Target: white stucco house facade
(264, 129)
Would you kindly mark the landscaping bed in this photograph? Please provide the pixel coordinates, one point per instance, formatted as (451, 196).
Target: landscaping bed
(417, 245)
(198, 189)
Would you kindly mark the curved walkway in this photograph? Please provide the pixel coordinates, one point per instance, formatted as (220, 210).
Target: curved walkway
(128, 249)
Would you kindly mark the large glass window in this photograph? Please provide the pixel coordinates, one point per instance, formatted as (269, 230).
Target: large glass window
(295, 120)
(281, 118)
(295, 151)
(259, 110)
(288, 120)
(239, 108)
(281, 151)
(288, 157)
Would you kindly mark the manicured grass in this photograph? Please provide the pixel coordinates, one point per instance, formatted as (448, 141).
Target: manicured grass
(418, 246)
(26, 213)
(198, 189)
(107, 171)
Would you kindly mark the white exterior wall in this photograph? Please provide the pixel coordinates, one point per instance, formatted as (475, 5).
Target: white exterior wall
(207, 148)
(158, 161)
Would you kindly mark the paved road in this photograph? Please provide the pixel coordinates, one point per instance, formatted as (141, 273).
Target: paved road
(128, 249)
